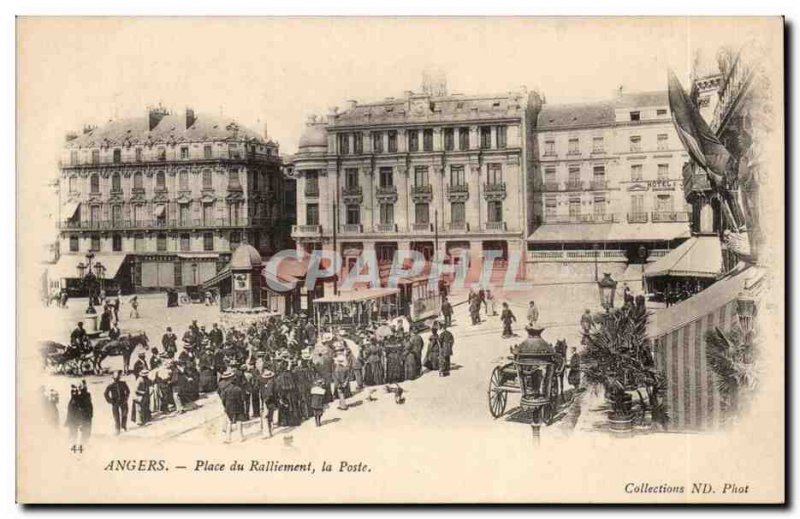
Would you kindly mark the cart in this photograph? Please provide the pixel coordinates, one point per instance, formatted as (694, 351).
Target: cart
(194, 294)
(528, 372)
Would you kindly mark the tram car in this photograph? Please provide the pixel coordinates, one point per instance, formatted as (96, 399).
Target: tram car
(356, 308)
(420, 299)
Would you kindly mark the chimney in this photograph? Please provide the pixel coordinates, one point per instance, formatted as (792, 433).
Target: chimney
(190, 117)
(155, 114)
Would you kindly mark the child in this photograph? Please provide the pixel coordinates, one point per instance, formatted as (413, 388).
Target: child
(318, 400)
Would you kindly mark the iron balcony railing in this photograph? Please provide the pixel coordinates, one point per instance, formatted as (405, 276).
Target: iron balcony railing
(552, 186)
(599, 185)
(387, 190)
(495, 187)
(306, 229)
(351, 191)
(574, 185)
(637, 217)
(423, 189)
(458, 188)
(351, 227)
(386, 227)
(422, 226)
(582, 218)
(193, 223)
(458, 226)
(495, 226)
(669, 216)
(311, 191)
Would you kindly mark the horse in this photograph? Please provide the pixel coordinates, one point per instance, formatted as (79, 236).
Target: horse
(561, 367)
(124, 346)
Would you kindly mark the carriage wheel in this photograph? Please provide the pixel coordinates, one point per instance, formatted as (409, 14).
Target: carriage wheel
(497, 396)
(185, 300)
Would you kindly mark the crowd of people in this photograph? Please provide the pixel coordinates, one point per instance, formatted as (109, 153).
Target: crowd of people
(280, 371)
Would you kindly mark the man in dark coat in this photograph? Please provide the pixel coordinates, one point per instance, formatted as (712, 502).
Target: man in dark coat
(80, 412)
(269, 401)
(117, 394)
(574, 377)
(507, 317)
(169, 342)
(215, 336)
(288, 397)
(78, 336)
(447, 312)
(140, 365)
(233, 401)
(446, 341)
(416, 346)
(432, 355)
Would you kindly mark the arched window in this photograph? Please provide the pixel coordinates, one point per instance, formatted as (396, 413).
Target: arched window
(94, 183)
(116, 182)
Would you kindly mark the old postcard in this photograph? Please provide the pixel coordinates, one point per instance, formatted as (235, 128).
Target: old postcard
(400, 260)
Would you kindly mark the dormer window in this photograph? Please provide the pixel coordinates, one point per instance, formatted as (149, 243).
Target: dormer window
(635, 116)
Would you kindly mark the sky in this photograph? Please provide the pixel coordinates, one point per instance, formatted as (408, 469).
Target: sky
(277, 72)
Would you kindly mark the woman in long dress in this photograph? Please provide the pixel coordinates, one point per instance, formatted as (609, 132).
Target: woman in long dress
(394, 364)
(289, 412)
(410, 368)
(432, 355)
(373, 369)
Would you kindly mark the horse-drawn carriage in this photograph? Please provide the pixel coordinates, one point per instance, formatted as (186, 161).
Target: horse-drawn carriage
(535, 371)
(87, 358)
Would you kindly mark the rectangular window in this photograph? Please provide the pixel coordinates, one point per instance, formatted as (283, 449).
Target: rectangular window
(138, 154)
(95, 243)
(501, 136)
(635, 116)
(550, 176)
(495, 211)
(420, 176)
(161, 243)
(662, 141)
(413, 140)
(94, 213)
(208, 213)
(486, 137)
(574, 209)
(233, 151)
(116, 214)
(95, 156)
(73, 157)
(344, 144)
(387, 214)
(636, 172)
(94, 183)
(494, 174)
(351, 178)
(449, 139)
(574, 147)
(139, 243)
(186, 243)
(74, 243)
(184, 152)
(598, 145)
(208, 241)
(427, 140)
(117, 157)
(664, 203)
(312, 214)
(599, 173)
(457, 176)
(663, 171)
(463, 138)
(636, 143)
(138, 181)
(637, 204)
(421, 213)
(233, 179)
(116, 183)
(207, 151)
(312, 183)
(377, 142)
(599, 205)
(457, 214)
(353, 215)
(574, 178)
(358, 143)
(208, 179)
(116, 243)
(162, 153)
(549, 147)
(386, 177)
(183, 214)
(550, 207)
(393, 141)
(661, 112)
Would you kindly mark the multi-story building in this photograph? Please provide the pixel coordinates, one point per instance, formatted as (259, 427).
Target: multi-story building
(162, 200)
(407, 173)
(607, 183)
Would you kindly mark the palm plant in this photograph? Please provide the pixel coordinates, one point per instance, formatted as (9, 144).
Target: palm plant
(730, 355)
(618, 357)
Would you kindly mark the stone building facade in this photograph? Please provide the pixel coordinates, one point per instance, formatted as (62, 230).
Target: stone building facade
(607, 182)
(162, 200)
(412, 172)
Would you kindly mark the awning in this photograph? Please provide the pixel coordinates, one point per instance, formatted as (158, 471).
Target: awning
(219, 277)
(69, 210)
(699, 256)
(67, 266)
(609, 232)
(351, 252)
(701, 304)
(159, 210)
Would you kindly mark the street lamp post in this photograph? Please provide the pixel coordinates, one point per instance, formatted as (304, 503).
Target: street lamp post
(594, 248)
(194, 274)
(89, 279)
(643, 257)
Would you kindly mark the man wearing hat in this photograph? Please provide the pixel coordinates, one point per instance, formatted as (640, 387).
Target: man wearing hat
(117, 394)
(140, 365)
(507, 317)
(269, 401)
(447, 311)
(141, 400)
(233, 402)
(169, 342)
(446, 341)
(215, 336)
(416, 345)
(341, 376)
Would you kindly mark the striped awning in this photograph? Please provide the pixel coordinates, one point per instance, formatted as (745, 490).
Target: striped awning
(699, 256)
(69, 210)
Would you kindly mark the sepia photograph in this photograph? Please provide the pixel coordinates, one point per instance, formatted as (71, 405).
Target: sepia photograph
(376, 260)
